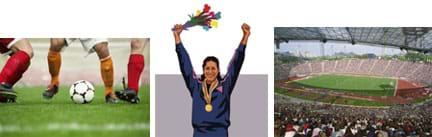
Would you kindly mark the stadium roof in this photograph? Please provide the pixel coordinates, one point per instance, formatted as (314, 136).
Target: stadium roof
(410, 38)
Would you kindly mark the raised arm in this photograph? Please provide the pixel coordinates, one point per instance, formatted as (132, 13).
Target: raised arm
(237, 60)
(189, 76)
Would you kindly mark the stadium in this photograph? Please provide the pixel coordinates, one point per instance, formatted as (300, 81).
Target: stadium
(349, 81)
(32, 115)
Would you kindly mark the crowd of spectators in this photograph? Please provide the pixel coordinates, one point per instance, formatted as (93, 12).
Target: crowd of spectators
(311, 119)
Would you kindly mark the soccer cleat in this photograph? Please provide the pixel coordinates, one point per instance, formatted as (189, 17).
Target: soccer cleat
(7, 100)
(6, 91)
(50, 92)
(129, 95)
(111, 99)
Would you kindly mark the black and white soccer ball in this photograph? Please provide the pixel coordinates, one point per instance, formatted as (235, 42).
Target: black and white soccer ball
(82, 92)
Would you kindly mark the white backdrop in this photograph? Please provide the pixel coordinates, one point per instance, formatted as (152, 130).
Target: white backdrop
(154, 19)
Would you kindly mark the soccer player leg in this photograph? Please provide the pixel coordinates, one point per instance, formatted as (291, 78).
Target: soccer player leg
(107, 70)
(15, 66)
(135, 68)
(54, 64)
(136, 63)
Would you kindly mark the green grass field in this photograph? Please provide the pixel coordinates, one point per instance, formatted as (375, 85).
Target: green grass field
(60, 117)
(360, 85)
(328, 99)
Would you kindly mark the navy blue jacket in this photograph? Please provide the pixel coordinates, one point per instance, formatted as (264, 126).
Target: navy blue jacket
(220, 115)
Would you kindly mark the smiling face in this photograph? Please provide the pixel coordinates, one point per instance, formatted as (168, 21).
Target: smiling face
(211, 71)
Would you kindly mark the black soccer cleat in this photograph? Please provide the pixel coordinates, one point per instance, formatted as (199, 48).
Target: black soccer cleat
(110, 99)
(7, 100)
(50, 92)
(128, 95)
(6, 91)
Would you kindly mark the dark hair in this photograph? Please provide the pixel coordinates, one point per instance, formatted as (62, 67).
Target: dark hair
(214, 59)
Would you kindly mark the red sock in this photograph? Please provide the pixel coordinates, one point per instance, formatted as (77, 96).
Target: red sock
(135, 67)
(15, 66)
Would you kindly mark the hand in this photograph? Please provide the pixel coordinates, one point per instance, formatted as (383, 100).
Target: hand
(178, 28)
(246, 32)
(246, 29)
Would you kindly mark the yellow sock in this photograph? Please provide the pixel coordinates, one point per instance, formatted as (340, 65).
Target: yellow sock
(107, 72)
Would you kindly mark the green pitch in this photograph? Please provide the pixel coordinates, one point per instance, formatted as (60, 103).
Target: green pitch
(360, 85)
(60, 117)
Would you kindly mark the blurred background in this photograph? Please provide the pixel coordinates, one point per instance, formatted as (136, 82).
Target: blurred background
(77, 65)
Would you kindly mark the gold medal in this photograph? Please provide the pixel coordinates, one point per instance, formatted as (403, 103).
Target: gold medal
(208, 107)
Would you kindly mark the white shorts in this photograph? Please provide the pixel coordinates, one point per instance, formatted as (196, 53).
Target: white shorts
(87, 43)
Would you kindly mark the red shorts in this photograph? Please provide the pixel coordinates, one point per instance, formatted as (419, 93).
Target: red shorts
(4, 43)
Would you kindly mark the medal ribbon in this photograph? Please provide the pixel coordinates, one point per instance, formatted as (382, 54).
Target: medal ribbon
(206, 92)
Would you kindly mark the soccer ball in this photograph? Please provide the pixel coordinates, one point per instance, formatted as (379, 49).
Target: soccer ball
(81, 92)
